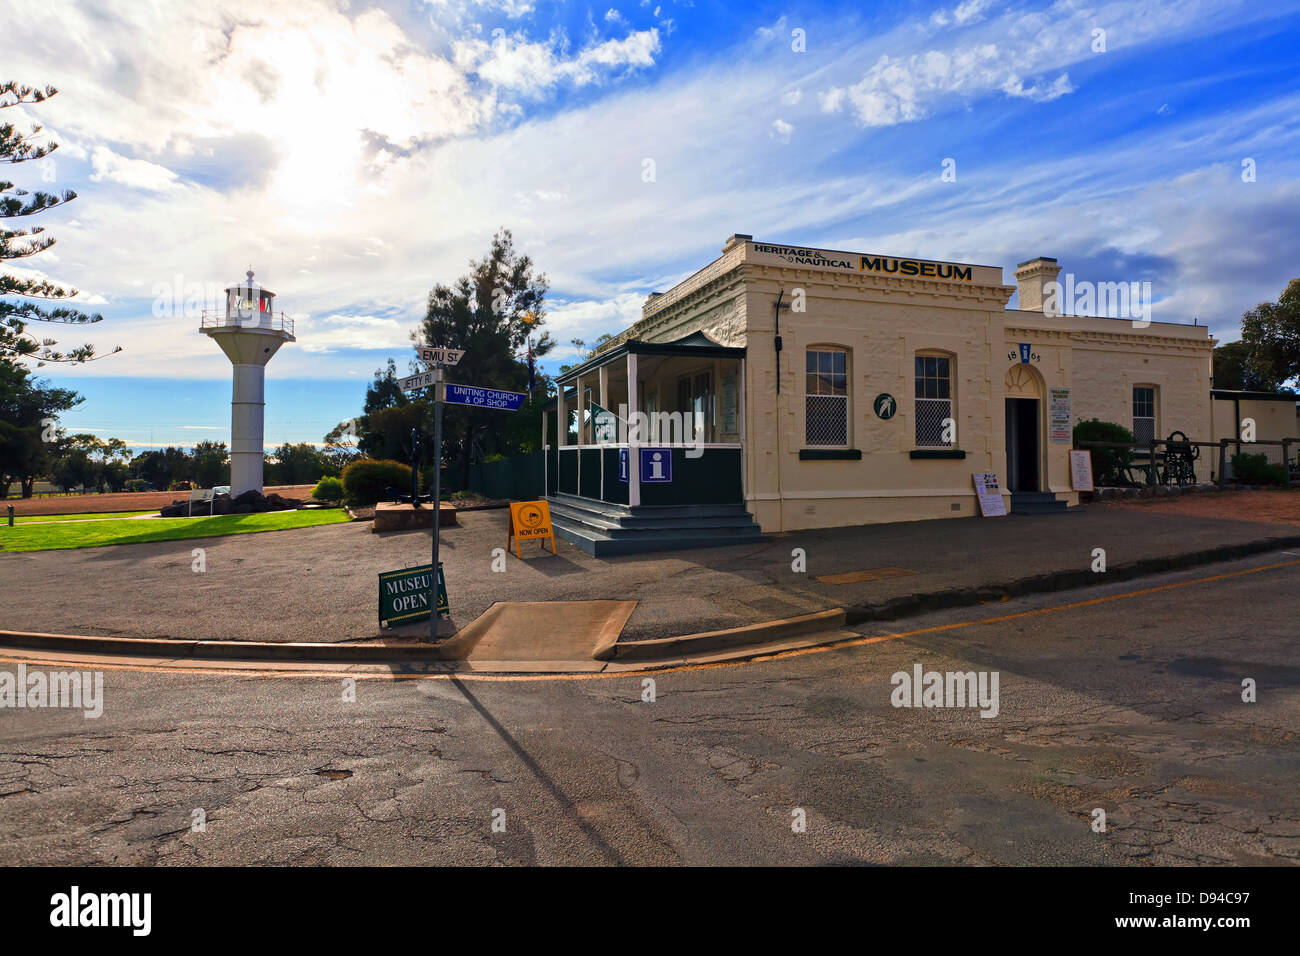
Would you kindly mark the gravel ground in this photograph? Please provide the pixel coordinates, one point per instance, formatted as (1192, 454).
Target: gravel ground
(1266, 506)
(320, 584)
(126, 501)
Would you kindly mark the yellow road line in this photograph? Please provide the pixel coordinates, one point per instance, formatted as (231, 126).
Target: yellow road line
(782, 655)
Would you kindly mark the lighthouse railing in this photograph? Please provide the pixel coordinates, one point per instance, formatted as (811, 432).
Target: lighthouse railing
(220, 319)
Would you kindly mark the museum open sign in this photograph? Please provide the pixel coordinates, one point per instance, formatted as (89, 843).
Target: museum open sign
(404, 595)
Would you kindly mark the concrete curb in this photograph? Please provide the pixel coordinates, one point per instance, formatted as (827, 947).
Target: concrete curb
(921, 602)
(732, 637)
(224, 650)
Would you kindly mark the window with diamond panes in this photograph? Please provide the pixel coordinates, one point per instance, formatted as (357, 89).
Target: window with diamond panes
(933, 400)
(1144, 415)
(826, 398)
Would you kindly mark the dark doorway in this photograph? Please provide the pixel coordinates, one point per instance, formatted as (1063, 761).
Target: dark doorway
(1022, 444)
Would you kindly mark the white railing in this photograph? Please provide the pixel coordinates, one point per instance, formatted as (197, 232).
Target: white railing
(220, 319)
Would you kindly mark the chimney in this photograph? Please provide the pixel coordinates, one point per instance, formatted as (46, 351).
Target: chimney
(1032, 277)
(736, 239)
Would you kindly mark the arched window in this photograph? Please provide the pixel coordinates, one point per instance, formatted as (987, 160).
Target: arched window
(935, 410)
(826, 397)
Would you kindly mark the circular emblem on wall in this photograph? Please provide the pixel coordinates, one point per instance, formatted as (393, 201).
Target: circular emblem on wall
(530, 516)
(885, 405)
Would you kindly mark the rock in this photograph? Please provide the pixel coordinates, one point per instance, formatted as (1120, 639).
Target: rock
(247, 510)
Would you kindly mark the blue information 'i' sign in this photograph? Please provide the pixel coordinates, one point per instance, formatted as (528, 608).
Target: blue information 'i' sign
(656, 465)
(622, 465)
(1024, 353)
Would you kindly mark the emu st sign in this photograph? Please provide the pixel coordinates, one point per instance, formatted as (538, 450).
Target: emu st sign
(404, 595)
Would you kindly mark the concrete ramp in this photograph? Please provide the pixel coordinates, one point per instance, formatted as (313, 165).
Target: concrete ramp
(543, 634)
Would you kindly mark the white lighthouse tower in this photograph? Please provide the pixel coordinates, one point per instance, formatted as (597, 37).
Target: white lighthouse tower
(250, 332)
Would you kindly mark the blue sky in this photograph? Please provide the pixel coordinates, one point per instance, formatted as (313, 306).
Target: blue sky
(356, 153)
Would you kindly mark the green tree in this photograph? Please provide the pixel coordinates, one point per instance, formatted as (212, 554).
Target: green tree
(163, 467)
(389, 434)
(342, 445)
(585, 353)
(87, 461)
(28, 409)
(211, 466)
(491, 312)
(1271, 334)
(16, 342)
(1233, 369)
(300, 464)
(375, 437)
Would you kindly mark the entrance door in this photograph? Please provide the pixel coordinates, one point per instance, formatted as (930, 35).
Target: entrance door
(1022, 444)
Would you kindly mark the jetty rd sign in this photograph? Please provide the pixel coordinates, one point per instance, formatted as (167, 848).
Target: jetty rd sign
(484, 397)
(404, 595)
(423, 380)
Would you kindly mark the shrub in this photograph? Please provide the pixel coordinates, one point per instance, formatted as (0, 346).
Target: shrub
(328, 489)
(426, 482)
(1256, 470)
(1107, 463)
(364, 481)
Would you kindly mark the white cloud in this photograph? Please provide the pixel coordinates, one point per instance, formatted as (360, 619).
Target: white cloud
(792, 97)
(903, 87)
(781, 130)
(970, 11)
(136, 173)
(532, 67)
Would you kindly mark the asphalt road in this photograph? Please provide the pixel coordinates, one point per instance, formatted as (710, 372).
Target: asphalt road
(1131, 705)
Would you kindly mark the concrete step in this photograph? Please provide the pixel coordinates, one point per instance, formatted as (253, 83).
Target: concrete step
(604, 529)
(1035, 503)
(601, 545)
(642, 513)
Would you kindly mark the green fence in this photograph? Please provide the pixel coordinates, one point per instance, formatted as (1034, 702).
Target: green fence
(521, 478)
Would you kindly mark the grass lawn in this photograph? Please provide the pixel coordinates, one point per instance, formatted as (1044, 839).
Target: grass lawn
(28, 519)
(95, 534)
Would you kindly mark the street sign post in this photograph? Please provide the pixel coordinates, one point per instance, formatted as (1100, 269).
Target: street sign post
(438, 356)
(485, 397)
(414, 382)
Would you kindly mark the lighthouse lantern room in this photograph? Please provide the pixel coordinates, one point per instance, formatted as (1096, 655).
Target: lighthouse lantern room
(250, 332)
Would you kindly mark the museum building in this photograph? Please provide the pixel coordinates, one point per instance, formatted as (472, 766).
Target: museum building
(835, 388)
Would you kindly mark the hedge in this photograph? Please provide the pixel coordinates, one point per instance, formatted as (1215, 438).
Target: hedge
(1257, 470)
(328, 489)
(365, 481)
(1107, 463)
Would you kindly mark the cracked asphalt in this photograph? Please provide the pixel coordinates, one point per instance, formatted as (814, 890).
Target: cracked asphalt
(1131, 705)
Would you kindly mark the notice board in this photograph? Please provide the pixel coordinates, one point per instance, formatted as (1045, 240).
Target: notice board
(989, 492)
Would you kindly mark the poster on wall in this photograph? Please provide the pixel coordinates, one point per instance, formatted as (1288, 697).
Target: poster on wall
(1081, 470)
(1059, 415)
(989, 493)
